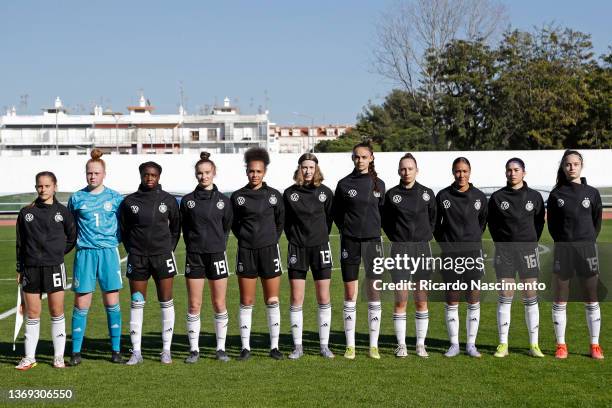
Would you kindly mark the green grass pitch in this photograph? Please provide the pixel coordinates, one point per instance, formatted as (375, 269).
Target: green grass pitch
(517, 380)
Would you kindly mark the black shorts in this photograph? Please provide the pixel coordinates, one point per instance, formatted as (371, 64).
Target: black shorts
(212, 266)
(141, 268)
(513, 257)
(43, 279)
(416, 252)
(463, 267)
(355, 250)
(317, 258)
(576, 258)
(261, 262)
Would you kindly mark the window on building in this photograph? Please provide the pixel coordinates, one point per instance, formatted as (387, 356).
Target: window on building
(212, 135)
(195, 135)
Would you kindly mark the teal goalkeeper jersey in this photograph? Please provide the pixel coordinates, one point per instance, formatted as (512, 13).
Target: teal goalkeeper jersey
(97, 218)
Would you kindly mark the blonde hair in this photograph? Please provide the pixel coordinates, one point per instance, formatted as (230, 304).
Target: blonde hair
(318, 175)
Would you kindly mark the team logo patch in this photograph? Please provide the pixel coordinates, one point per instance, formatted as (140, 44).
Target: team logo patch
(108, 206)
(293, 260)
(426, 196)
(377, 194)
(75, 283)
(352, 193)
(24, 280)
(220, 204)
(163, 208)
(322, 197)
(477, 205)
(586, 203)
(240, 200)
(560, 202)
(134, 209)
(58, 217)
(187, 269)
(529, 206)
(446, 204)
(190, 204)
(29, 217)
(240, 267)
(344, 254)
(272, 199)
(129, 269)
(504, 205)
(397, 199)
(294, 197)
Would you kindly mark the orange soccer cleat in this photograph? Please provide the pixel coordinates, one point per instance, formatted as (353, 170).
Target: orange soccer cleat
(596, 352)
(561, 351)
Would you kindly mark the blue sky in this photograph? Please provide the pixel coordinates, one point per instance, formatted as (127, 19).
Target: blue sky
(310, 57)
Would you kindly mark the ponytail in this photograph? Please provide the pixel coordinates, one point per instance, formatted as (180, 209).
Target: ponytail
(561, 178)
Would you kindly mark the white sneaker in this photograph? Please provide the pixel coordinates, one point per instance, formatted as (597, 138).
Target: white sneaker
(401, 351)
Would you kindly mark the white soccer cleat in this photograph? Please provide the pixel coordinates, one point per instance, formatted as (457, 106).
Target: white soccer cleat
(58, 362)
(26, 363)
(453, 351)
(165, 357)
(401, 351)
(297, 352)
(421, 351)
(135, 358)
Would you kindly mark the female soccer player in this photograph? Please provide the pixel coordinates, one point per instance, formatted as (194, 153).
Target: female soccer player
(308, 222)
(151, 228)
(461, 220)
(206, 217)
(516, 221)
(45, 233)
(258, 224)
(574, 222)
(358, 201)
(96, 211)
(409, 218)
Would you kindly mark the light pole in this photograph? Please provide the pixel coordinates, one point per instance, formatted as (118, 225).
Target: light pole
(309, 130)
(116, 117)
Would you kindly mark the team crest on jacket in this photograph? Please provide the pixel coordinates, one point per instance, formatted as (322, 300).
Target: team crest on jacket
(529, 206)
(134, 209)
(58, 217)
(108, 206)
(273, 199)
(477, 205)
(322, 197)
(377, 194)
(29, 217)
(586, 203)
(294, 197)
(352, 193)
(163, 208)
(560, 202)
(344, 254)
(240, 200)
(504, 205)
(190, 204)
(426, 196)
(446, 204)
(397, 199)
(220, 204)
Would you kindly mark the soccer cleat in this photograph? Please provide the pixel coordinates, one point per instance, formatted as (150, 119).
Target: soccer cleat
(58, 362)
(326, 352)
(26, 363)
(193, 357)
(75, 359)
(116, 357)
(453, 351)
(296, 353)
(221, 355)
(350, 353)
(245, 354)
(596, 352)
(561, 351)
(421, 352)
(534, 351)
(165, 357)
(472, 351)
(502, 350)
(276, 354)
(401, 351)
(135, 358)
(374, 353)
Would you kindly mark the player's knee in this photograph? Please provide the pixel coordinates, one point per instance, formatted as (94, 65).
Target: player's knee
(137, 297)
(219, 305)
(272, 300)
(400, 307)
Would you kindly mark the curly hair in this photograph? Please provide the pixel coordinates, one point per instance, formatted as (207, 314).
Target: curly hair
(257, 154)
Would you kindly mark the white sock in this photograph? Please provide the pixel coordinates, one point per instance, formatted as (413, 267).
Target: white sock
(452, 322)
(167, 317)
(421, 322)
(58, 332)
(296, 319)
(593, 317)
(136, 316)
(32, 332)
(193, 331)
(221, 323)
(399, 323)
(504, 307)
(559, 321)
(350, 317)
(274, 319)
(472, 320)
(374, 315)
(532, 318)
(325, 313)
(245, 318)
